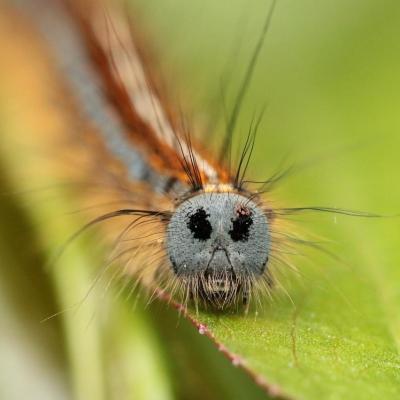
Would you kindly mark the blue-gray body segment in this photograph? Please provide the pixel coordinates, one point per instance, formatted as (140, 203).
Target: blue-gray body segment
(62, 34)
(210, 247)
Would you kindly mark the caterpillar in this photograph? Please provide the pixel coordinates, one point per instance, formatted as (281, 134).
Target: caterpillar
(198, 228)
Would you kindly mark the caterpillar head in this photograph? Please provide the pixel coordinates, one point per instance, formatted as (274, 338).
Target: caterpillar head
(218, 243)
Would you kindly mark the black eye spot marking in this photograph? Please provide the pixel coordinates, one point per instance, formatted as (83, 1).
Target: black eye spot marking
(199, 225)
(241, 224)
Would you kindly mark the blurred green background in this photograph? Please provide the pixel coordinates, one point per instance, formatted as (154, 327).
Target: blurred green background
(329, 73)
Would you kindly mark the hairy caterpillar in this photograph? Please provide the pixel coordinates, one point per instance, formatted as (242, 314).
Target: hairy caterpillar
(198, 227)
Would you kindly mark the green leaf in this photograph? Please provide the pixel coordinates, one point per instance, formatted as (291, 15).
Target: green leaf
(328, 73)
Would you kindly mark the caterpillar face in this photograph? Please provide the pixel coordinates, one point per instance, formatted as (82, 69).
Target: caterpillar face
(218, 241)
